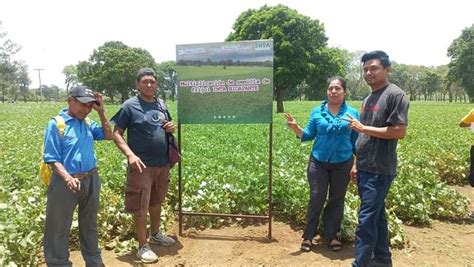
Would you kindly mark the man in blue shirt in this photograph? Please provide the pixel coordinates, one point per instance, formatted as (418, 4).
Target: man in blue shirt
(75, 180)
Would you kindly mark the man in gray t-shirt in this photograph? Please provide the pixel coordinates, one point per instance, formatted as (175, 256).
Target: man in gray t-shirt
(384, 119)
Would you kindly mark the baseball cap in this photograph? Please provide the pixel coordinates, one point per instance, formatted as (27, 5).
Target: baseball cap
(145, 71)
(83, 94)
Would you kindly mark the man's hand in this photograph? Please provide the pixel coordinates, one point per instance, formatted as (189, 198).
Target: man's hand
(354, 123)
(353, 173)
(74, 184)
(99, 105)
(169, 127)
(136, 163)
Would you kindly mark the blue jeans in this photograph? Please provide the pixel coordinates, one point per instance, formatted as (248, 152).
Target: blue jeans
(372, 240)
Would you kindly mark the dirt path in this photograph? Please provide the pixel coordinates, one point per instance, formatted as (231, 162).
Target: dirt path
(443, 244)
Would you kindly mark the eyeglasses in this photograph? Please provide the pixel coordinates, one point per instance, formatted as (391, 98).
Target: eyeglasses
(148, 81)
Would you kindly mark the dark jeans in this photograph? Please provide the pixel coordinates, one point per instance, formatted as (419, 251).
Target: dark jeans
(372, 241)
(320, 177)
(60, 207)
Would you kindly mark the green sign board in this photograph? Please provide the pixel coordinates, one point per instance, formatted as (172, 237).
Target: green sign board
(225, 83)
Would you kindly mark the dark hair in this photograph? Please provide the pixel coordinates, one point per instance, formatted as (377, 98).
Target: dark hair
(144, 72)
(377, 54)
(340, 79)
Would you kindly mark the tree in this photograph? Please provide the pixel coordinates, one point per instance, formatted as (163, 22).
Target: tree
(297, 39)
(356, 86)
(70, 71)
(408, 77)
(21, 82)
(51, 92)
(8, 68)
(431, 82)
(112, 68)
(168, 79)
(328, 62)
(461, 67)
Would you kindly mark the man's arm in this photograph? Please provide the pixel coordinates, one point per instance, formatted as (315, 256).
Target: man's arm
(72, 183)
(133, 160)
(103, 119)
(388, 132)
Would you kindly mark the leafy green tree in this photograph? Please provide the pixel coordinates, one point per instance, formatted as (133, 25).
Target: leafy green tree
(408, 78)
(327, 62)
(8, 68)
(357, 88)
(21, 82)
(461, 67)
(70, 72)
(298, 41)
(112, 68)
(431, 82)
(168, 79)
(51, 92)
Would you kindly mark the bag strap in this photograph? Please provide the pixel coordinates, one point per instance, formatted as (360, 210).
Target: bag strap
(163, 107)
(60, 123)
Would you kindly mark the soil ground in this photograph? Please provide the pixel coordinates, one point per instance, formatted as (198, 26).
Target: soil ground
(442, 244)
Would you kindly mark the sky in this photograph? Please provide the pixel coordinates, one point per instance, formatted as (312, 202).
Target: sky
(54, 34)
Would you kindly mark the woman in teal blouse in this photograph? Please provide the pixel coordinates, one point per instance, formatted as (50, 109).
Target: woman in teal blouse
(330, 162)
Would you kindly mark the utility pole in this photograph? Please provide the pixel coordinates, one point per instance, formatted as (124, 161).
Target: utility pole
(39, 77)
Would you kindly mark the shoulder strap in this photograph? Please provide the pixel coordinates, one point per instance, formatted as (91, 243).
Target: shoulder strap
(163, 106)
(60, 124)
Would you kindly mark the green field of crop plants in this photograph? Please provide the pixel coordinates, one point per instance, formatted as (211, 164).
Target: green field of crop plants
(226, 170)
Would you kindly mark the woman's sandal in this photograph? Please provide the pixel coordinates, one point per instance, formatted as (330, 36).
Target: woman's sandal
(306, 245)
(335, 245)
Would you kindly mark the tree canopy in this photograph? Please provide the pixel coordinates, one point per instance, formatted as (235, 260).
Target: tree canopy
(13, 74)
(461, 67)
(70, 72)
(168, 79)
(299, 44)
(112, 68)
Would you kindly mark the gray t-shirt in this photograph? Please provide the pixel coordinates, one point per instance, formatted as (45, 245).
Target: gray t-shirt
(385, 107)
(146, 136)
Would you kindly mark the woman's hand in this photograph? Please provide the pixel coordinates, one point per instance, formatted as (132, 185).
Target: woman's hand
(290, 121)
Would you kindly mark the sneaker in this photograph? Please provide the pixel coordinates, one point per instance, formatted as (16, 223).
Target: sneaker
(145, 254)
(160, 239)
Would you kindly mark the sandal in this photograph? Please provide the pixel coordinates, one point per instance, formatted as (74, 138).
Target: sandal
(335, 245)
(306, 245)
